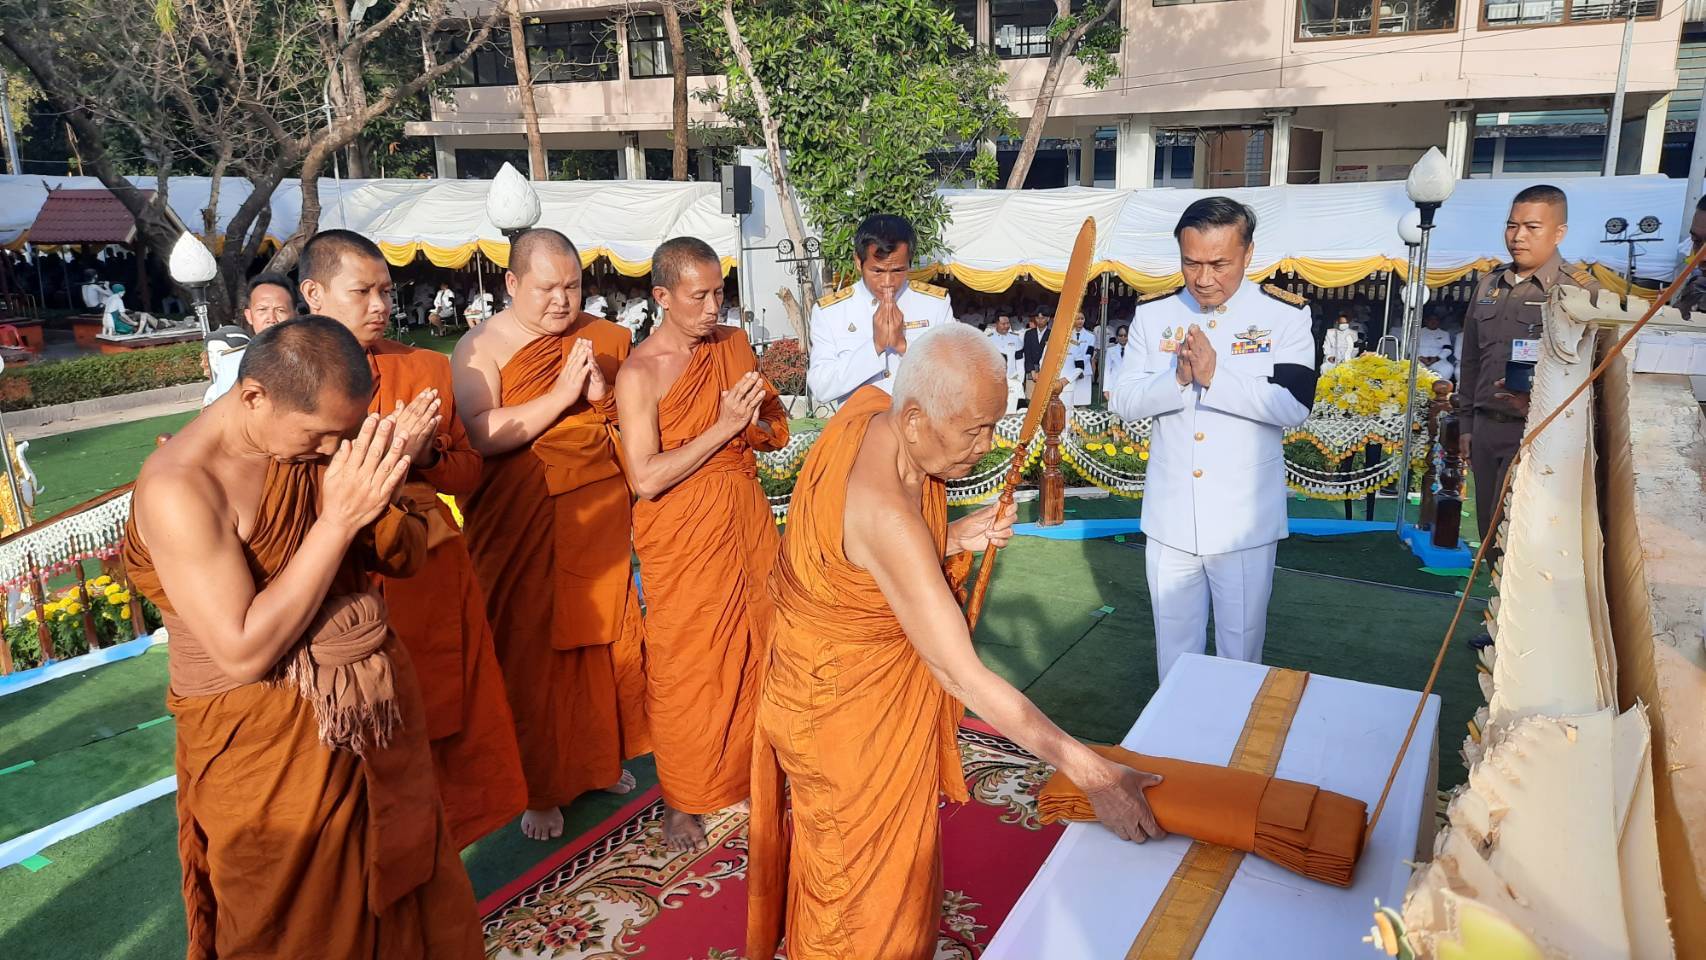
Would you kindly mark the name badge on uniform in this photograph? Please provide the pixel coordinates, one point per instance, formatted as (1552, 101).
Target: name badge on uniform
(1525, 351)
(915, 324)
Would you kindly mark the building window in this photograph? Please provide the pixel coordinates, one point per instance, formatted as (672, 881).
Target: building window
(1521, 13)
(490, 66)
(1330, 19)
(572, 50)
(1177, 3)
(648, 48)
(1019, 28)
(965, 14)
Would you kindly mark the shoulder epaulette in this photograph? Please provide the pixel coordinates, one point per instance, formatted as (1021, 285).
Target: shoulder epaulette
(1283, 295)
(835, 296)
(929, 289)
(1583, 277)
(1150, 298)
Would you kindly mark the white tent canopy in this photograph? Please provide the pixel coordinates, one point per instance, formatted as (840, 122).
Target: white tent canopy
(994, 237)
(444, 219)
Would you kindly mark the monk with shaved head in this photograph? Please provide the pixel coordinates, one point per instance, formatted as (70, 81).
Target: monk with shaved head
(308, 822)
(694, 408)
(549, 528)
(440, 612)
(871, 667)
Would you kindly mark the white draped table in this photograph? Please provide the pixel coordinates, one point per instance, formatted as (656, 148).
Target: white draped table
(1094, 892)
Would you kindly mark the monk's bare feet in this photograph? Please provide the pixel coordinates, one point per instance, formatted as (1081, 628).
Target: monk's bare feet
(624, 784)
(682, 831)
(542, 824)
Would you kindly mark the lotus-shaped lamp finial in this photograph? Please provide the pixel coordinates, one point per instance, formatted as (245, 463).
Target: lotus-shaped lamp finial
(511, 203)
(191, 264)
(1431, 179)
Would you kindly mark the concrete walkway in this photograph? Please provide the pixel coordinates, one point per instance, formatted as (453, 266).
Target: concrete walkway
(103, 412)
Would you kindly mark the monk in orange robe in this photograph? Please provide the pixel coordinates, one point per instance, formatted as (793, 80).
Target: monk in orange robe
(693, 409)
(550, 529)
(308, 825)
(871, 661)
(439, 613)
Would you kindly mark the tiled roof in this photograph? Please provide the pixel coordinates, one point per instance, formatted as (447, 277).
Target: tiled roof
(83, 216)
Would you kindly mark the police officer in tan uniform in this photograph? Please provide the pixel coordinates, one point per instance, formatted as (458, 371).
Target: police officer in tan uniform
(1503, 321)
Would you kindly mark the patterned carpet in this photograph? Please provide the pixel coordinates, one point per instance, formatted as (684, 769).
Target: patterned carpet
(621, 894)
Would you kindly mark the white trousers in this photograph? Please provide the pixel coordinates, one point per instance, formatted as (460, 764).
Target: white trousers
(1181, 586)
(1015, 393)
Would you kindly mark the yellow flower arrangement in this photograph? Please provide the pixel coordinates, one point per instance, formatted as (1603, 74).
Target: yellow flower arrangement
(1371, 385)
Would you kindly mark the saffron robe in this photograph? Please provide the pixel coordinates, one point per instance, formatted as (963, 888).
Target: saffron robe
(863, 731)
(440, 615)
(550, 532)
(706, 546)
(292, 849)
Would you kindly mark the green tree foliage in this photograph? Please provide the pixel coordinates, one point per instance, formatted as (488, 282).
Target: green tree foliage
(869, 96)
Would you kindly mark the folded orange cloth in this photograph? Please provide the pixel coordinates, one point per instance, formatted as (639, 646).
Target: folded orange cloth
(1301, 827)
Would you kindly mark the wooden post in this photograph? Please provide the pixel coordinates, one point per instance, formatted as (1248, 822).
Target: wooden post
(44, 636)
(1054, 482)
(5, 643)
(90, 634)
(1441, 400)
(1448, 511)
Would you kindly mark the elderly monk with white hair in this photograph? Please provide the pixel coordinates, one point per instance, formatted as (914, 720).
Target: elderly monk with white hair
(871, 663)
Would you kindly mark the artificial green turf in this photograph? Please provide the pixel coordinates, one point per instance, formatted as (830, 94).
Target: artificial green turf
(74, 467)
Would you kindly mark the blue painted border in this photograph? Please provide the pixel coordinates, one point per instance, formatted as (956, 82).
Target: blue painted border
(35, 676)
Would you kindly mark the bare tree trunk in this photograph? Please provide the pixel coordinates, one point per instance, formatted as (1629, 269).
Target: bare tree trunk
(1058, 53)
(772, 140)
(678, 60)
(537, 168)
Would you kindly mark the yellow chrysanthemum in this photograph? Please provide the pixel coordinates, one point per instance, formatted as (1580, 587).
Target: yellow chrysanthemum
(119, 599)
(1128, 449)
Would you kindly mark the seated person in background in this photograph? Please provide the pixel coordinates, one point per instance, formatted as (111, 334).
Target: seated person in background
(1434, 348)
(1339, 343)
(94, 291)
(116, 321)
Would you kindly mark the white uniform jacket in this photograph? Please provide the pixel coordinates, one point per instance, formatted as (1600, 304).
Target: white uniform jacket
(843, 355)
(1216, 478)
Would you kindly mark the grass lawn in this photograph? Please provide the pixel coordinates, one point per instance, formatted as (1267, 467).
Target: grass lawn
(1068, 622)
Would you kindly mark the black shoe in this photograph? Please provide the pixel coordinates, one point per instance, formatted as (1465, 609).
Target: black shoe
(1480, 642)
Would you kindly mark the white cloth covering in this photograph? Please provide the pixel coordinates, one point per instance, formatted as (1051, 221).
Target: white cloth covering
(1094, 891)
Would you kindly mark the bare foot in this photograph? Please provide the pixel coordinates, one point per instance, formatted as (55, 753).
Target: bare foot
(682, 831)
(624, 784)
(542, 824)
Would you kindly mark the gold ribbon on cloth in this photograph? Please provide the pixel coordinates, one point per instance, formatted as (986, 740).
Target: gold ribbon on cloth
(1187, 904)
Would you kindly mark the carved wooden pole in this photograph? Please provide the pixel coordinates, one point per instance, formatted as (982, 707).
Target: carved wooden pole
(1448, 510)
(5, 644)
(90, 635)
(1441, 400)
(44, 636)
(1054, 482)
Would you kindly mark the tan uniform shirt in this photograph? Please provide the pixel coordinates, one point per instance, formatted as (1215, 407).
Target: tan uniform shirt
(1504, 309)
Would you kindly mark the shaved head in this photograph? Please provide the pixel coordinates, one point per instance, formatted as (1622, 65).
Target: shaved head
(300, 361)
(326, 251)
(539, 240)
(945, 367)
(673, 257)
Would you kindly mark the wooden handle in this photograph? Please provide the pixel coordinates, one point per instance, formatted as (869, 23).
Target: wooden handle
(980, 586)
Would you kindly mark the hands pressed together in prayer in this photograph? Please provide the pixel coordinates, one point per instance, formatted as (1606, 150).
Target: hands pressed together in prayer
(364, 475)
(991, 526)
(888, 327)
(581, 375)
(418, 422)
(1196, 359)
(740, 405)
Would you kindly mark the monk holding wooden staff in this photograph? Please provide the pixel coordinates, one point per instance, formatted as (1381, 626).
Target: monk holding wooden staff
(309, 824)
(440, 612)
(693, 409)
(550, 529)
(870, 664)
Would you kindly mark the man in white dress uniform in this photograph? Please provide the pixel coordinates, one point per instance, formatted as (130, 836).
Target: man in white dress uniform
(1080, 354)
(1011, 343)
(859, 333)
(1339, 345)
(1223, 366)
(1114, 361)
(1434, 348)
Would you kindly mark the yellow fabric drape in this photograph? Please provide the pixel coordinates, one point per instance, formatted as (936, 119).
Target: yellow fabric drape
(497, 251)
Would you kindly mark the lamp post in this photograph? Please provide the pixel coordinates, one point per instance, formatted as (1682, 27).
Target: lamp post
(1429, 185)
(193, 267)
(511, 203)
(11, 474)
(1409, 231)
